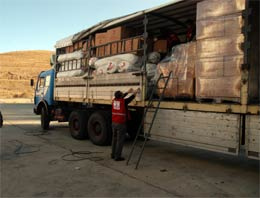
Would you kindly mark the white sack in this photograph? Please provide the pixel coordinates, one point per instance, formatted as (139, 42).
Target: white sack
(112, 67)
(131, 58)
(92, 61)
(151, 70)
(154, 57)
(101, 70)
(125, 66)
(70, 56)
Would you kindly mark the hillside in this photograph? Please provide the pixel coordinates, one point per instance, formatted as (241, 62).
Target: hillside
(16, 70)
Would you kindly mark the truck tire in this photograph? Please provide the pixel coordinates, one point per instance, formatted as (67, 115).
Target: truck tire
(99, 128)
(45, 120)
(77, 125)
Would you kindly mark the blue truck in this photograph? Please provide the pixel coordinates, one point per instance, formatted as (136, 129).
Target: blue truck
(72, 91)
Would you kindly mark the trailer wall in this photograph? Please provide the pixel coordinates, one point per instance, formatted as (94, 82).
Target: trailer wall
(253, 136)
(211, 131)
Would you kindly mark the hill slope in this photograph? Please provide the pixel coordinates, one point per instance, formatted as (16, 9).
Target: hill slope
(16, 70)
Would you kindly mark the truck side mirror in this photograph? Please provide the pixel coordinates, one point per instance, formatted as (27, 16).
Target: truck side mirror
(32, 82)
(52, 59)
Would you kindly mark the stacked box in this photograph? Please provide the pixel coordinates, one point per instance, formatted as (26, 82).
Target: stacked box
(217, 8)
(131, 44)
(160, 46)
(118, 33)
(101, 39)
(219, 53)
(182, 65)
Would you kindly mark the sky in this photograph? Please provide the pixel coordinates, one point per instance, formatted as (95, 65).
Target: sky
(38, 24)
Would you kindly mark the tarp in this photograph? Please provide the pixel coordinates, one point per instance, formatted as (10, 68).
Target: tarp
(113, 22)
(64, 42)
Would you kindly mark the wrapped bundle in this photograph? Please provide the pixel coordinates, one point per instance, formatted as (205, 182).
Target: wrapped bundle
(92, 61)
(70, 56)
(151, 70)
(182, 65)
(125, 66)
(154, 57)
(112, 67)
(118, 63)
(131, 58)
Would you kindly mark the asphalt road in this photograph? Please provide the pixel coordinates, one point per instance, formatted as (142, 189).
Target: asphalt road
(37, 163)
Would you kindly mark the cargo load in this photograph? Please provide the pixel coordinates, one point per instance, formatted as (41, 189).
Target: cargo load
(118, 63)
(219, 53)
(217, 8)
(181, 63)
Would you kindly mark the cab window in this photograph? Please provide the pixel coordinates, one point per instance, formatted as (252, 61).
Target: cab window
(41, 82)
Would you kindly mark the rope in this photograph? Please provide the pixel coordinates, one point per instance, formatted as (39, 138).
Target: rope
(21, 146)
(81, 155)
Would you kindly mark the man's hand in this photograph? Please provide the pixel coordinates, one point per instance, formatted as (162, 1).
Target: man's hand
(130, 90)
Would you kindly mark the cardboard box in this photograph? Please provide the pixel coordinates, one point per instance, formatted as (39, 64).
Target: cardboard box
(220, 46)
(219, 66)
(118, 33)
(215, 8)
(131, 45)
(160, 46)
(178, 88)
(182, 66)
(222, 87)
(114, 48)
(191, 51)
(101, 51)
(100, 39)
(219, 26)
(70, 49)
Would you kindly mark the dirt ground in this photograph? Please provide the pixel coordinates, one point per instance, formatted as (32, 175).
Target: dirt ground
(36, 163)
(18, 68)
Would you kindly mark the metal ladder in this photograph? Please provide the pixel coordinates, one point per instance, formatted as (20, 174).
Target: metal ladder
(146, 110)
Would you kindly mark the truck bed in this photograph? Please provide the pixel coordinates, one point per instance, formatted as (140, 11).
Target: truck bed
(101, 87)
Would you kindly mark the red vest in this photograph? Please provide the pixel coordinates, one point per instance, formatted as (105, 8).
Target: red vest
(119, 111)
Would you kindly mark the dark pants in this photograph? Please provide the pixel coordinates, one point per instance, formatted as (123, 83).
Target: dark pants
(119, 133)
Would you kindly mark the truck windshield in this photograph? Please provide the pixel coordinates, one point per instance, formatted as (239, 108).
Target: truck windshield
(47, 81)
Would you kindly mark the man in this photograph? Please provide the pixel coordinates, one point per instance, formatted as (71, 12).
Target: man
(120, 115)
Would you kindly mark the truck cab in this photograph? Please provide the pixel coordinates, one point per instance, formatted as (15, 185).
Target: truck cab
(43, 96)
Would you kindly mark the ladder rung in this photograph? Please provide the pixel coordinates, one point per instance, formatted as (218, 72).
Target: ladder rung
(152, 110)
(147, 123)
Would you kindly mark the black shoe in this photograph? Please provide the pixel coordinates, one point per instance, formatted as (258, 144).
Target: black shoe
(119, 159)
(112, 156)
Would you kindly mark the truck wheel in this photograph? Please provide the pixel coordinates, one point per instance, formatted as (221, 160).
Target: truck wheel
(77, 125)
(99, 128)
(45, 120)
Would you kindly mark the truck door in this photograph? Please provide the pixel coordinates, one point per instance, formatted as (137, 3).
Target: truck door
(39, 91)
